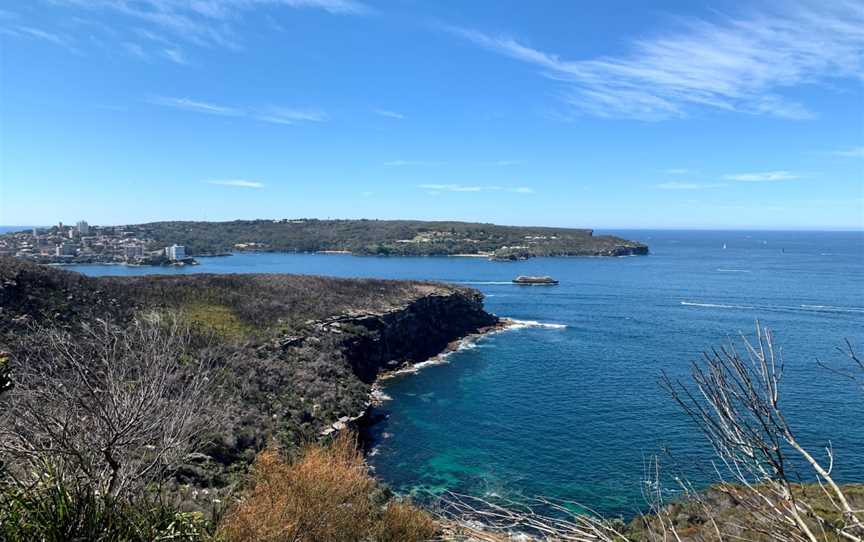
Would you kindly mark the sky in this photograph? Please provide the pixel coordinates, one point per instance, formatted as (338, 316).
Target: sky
(604, 114)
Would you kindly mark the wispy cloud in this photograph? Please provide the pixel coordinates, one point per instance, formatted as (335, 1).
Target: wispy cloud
(474, 188)
(678, 171)
(205, 23)
(176, 56)
(402, 163)
(135, 50)
(388, 113)
(855, 152)
(764, 176)
(275, 115)
(237, 182)
(502, 163)
(30, 32)
(195, 106)
(731, 64)
(283, 115)
(688, 186)
(56, 39)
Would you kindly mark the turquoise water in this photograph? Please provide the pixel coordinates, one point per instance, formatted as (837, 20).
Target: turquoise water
(573, 411)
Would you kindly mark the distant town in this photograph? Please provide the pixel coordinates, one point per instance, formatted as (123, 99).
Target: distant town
(83, 243)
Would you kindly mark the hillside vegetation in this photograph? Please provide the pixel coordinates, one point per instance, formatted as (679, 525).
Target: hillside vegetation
(290, 355)
(385, 238)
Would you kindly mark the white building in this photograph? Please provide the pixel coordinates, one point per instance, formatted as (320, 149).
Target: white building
(65, 249)
(175, 252)
(83, 227)
(133, 251)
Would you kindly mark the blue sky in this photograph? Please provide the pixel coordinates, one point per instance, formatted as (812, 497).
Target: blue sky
(613, 114)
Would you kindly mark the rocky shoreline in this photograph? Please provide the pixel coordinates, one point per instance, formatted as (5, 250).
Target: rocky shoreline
(392, 346)
(303, 356)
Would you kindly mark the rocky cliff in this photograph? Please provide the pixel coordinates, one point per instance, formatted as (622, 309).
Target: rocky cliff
(418, 331)
(298, 353)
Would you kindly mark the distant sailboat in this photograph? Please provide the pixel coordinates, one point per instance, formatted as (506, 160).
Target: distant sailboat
(724, 246)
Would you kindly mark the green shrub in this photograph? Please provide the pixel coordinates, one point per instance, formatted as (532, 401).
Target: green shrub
(54, 513)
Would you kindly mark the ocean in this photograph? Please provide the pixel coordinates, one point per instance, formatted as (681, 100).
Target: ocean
(568, 406)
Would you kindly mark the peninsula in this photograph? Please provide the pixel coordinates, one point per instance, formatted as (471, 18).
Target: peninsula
(298, 354)
(148, 244)
(385, 238)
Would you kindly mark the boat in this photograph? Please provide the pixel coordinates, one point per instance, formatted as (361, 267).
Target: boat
(526, 279)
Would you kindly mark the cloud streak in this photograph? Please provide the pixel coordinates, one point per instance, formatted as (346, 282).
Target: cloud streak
(284, 115)
(205, 23)
(739, 64)
(389, 114)
(688, 186)
(30, 32)
(404, 163)
(438, 188)
(240, 183)
(762, 177)
(195, 106)
(855, 152)
(274, 115)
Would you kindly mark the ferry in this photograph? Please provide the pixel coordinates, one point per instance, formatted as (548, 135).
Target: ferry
(524, 279)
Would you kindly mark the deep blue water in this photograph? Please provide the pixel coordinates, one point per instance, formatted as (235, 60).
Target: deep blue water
(574, 412)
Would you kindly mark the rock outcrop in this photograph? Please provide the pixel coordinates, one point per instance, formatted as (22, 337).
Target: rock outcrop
(297, 354)
(411, 334)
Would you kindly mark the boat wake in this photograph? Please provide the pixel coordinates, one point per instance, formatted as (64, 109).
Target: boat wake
(779, 308)
(485, 282)
(721, 270)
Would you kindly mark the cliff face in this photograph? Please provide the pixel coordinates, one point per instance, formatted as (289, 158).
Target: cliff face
(296, 354)
(414, 333)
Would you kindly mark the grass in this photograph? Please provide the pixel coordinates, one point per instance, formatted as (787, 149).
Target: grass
(219, 320)
(59, 513)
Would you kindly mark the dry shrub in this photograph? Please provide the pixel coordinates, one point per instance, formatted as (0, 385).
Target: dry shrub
(402, 521)
(325, 495)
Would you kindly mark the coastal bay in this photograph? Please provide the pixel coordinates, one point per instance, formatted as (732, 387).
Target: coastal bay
(568, 404)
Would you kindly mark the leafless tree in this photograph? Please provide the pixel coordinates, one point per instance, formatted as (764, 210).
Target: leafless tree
(108, 406)
(736, 403)
(473, 518)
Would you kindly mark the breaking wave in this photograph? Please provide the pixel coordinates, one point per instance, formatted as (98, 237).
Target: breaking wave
(522, 324)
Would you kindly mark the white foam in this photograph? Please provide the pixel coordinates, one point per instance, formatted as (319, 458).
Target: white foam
(522, 324)
(721, 270)
(378, 395)
(468, 343)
